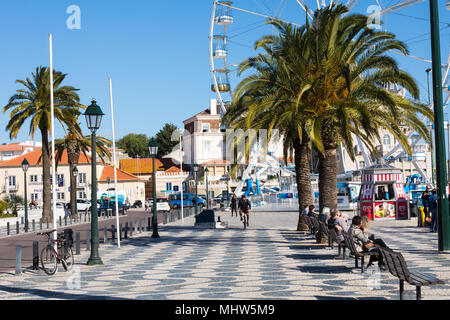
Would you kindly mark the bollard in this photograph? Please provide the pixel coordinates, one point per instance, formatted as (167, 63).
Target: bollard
(77, 243)
(40, 223)
(65, 220)
(18, 259)
(47, 222)
(131, 229)
(113, 231)
(7, 228)
(119, 232)
(105, 235)
(85, 217)
(17, 227)
(70, 219)
(34, 225)
(35, 255)
(125, 236)
(21, 220)
(88, 241)
(165, 218)
(60, 221)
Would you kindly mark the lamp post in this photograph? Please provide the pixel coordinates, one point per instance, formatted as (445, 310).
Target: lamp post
(94, 116)
(25, 166)
(153, 149)
(441, 174)
(431, 147)
(74, 207)
(196, 187)
(207, 195)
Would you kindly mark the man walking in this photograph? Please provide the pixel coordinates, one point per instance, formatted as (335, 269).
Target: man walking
(244, 207)
(234, 205)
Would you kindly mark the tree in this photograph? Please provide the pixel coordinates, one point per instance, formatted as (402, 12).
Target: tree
(136, 145)
(271, 98)
(349, 95)
(164, 139)
(33, 103)
(13, 201)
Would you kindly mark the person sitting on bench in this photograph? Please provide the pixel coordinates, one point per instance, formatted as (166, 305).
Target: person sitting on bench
(366, 243)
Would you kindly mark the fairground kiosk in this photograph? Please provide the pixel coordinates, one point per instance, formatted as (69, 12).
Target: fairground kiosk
(382, 195)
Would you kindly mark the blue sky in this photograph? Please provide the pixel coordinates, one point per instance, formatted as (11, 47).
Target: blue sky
(157, 52)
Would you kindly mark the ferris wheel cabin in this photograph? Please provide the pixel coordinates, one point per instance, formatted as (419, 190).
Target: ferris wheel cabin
(223, 13)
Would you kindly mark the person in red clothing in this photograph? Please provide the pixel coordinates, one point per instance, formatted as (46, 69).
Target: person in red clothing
(244, 207)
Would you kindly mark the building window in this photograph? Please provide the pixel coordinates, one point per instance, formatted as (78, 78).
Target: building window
(81, 195)
(82, 178)
(386, 139)
(169, 186)
(362, 164)
(205, 127)
(7, 154)
(34, 178)
(206, 146)
(60, 196)
(12, 181)
(34, 196)
(60, 180)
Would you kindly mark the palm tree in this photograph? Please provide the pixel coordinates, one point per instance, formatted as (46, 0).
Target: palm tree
(33, 103)
(349, 96)
(74, 143)
(271, 98)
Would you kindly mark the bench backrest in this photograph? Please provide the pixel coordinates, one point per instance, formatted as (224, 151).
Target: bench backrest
(324, 228)
(396, 264)
(333, 235)
(349, 243)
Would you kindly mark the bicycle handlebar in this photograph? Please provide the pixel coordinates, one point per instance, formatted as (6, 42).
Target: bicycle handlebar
(46, 233)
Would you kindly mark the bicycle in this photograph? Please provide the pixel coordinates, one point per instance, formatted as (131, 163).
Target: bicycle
(51, 257)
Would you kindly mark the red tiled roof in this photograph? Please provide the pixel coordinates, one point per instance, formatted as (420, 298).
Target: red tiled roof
(140, 166)
(33, 158)
(12, 147)
(108, 171)
(173, 169)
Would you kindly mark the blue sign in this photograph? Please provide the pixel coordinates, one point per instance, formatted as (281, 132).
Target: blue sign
(175, 188)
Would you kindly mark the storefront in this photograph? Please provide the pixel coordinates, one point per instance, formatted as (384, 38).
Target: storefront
(382, 195)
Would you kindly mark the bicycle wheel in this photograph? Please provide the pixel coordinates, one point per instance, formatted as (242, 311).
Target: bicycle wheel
(66, 257)
(48, 260)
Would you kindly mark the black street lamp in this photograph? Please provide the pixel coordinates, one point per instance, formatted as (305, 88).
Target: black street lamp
(73, 206)
(153, 150)
(196, 167)
(25, 166)
(94, 116)
(207, 195)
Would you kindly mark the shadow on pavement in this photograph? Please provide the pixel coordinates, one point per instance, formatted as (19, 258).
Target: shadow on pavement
(54, 294)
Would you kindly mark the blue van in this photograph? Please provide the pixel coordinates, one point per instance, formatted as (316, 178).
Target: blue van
(188, 200)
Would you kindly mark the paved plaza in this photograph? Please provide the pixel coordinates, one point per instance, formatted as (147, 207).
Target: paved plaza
(269, 260)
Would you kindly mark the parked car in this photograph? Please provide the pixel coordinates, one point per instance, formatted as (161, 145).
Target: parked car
(83, 204)
(161, 205)
(188, 200)
(137, 204)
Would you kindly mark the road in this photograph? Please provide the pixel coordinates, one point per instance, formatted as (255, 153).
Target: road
(8, 244)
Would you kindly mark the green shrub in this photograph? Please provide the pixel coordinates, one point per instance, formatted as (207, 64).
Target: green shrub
(3, 206)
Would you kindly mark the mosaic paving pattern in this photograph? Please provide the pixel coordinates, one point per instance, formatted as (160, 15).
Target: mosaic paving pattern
(266, 261)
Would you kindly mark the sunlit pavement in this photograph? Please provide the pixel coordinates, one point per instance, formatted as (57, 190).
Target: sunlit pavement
(269, 260)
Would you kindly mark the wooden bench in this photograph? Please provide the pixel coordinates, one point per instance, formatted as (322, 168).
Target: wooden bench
(310, 224)
(341, 245)
(350, 244)
(397, 266)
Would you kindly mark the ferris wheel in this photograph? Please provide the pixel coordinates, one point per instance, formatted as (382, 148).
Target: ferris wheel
(247, 18)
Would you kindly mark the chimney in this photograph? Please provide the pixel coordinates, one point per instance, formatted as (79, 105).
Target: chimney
(213, 107)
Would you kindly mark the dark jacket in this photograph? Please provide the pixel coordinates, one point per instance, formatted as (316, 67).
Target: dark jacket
(244, 204)
(233, 203)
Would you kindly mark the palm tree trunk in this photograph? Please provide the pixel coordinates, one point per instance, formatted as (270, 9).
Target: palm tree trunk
(303, 179)
(46, 185)
(327, 179)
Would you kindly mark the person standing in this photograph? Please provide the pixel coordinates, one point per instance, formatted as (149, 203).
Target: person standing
(434, 213)
(426, 201)
(233, 205)
(244, 207)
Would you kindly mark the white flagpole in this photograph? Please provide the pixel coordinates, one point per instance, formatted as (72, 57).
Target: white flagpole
(52, 112)
(181, 170)
(114, 159)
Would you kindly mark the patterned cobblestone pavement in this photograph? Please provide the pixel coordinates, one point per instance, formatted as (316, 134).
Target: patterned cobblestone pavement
(267, 261)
